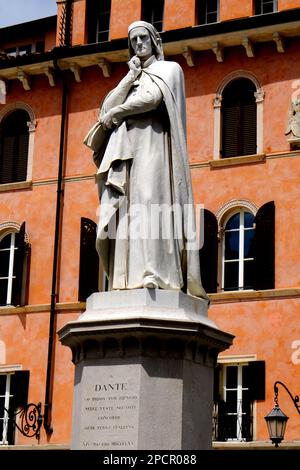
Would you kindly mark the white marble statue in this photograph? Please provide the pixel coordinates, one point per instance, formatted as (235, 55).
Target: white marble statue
(143, 172)
(293, 122)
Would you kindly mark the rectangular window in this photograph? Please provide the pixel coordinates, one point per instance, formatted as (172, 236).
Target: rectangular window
(236, 397)
(98, 20)
(262, 7)
(207, 11)
(13, 396)
(153, 12)
(19, 50)
(236, 387)
(103, 21)
(6, 400)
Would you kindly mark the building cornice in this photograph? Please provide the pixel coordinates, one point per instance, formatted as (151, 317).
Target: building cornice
(244, 32)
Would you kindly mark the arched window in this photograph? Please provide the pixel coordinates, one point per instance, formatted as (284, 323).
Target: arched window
(238, 251)
(239, 247)
(14, 139)
(14, 261)
(239, 119)
(153, 12)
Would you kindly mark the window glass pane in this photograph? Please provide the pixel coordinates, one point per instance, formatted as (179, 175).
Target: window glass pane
(248, 220)
(230, 426)
(248, 243)
(233, 222)
(2, 384)
(232, 245)
(2, 401)
(5, 242)
(3, 291)
(248, 274)
(153, 12)
(246, 402)
(231, 401)
(231, 275)
(10, 432)
(268, 6)
(231, 377)
(212, 17)
(212, 5)
(245, 376)
(4, 263)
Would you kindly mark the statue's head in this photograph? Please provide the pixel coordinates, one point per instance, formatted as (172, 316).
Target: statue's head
(144, 40)
(296, 105)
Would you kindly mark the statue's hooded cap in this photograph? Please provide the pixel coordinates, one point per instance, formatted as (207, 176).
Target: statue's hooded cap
(155, 38)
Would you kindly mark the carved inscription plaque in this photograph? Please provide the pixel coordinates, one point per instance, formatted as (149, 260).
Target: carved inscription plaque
(109, 409)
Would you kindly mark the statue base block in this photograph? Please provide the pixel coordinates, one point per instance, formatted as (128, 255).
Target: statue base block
(144, 364)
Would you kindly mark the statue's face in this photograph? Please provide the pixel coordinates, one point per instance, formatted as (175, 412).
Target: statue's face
(141, 42)
(297, 105)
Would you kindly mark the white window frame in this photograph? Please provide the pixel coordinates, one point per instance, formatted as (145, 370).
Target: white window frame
(218, 12)
(32, 123)
(217, 104)
(10, 274)
(241, 259)
(98, 28)
(240, 389)
(154, 23)
(275, 5)
(5, 417)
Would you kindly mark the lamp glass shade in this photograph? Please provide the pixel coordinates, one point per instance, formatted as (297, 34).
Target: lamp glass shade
(276, 422)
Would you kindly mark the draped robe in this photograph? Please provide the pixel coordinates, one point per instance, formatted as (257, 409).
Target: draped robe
(145, 167)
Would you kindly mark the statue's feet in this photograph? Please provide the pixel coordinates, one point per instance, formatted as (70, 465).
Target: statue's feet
(150, 284)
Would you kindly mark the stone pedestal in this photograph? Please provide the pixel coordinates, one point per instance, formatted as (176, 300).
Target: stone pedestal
(143, 371)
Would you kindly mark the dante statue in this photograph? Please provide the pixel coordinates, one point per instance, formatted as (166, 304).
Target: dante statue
(143, 175)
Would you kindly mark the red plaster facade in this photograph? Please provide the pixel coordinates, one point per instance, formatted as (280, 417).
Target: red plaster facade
(265, 324)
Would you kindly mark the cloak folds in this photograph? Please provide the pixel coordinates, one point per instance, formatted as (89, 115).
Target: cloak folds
(123, 165)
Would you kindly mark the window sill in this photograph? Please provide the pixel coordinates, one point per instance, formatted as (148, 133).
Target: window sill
(15, 186)
(246, 296)
(244, 160)
(231, 445)
(39, 308)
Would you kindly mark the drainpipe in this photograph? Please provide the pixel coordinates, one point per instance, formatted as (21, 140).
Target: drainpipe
(65, 40)
(56, 254)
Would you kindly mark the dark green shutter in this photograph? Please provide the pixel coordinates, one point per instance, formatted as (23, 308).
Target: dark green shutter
(89, 260)
(239, 119)
(19, 387)
(264, 247)
(257, 380)
(209, 253)
(14, 147)
(248, 128)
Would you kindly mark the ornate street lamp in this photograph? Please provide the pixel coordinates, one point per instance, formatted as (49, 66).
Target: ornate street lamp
(276, 419)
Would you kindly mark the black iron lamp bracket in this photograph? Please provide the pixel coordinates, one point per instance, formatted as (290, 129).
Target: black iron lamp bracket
(295, 399)
(29, 419)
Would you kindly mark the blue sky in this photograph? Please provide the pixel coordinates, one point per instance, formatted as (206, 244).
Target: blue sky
(20, 11)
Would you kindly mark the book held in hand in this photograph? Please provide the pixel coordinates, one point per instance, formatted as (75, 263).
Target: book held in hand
(96, 137)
